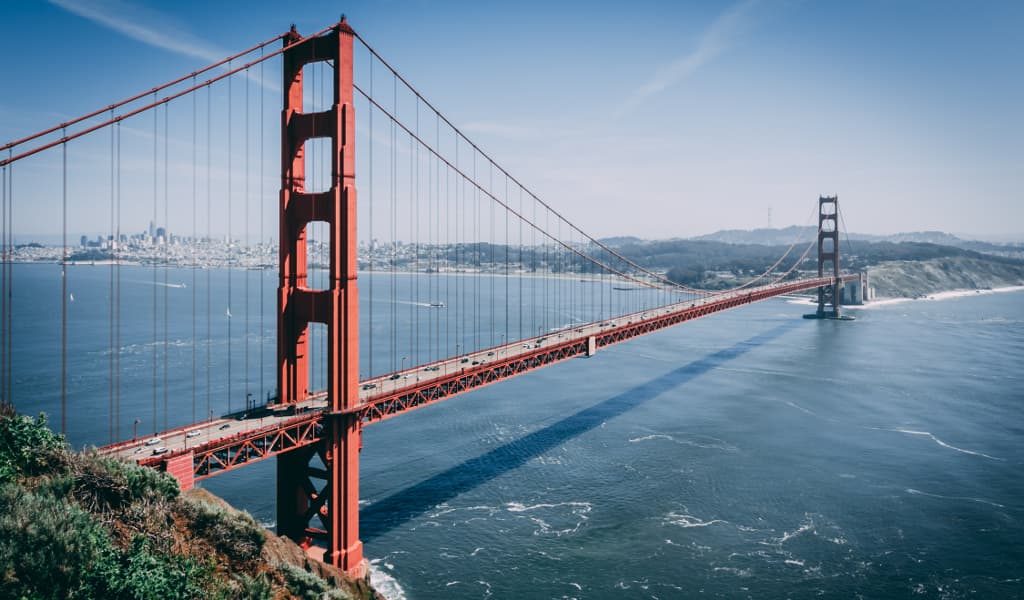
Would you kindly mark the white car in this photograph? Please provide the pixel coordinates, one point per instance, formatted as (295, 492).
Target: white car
(153, 441)
(193, 433)
(159, 450)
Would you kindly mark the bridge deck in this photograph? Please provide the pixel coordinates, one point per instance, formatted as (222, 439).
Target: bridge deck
(234, 440)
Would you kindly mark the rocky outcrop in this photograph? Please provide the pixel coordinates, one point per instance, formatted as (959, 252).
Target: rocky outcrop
(910, 279)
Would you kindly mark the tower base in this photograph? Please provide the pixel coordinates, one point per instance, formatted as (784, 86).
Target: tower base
(830, 316)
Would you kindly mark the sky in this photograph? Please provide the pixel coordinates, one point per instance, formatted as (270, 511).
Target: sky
(652, 119)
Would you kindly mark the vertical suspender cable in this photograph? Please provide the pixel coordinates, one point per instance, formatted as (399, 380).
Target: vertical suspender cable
(4, 400)
(522, 266)
(259, 246)
(456, 211)
(230, 241)
(478, 256)
(192, 246)
(10, 286)
(372, 246)
(166, 250)
(209, 246)
(508, 217)
(117, 299)
(491, 268)
(3, 285)
(394, 225)
(245, 271)
(152, 241)
(5, 368)
(110, 303)
(414, 234)
(64, 290)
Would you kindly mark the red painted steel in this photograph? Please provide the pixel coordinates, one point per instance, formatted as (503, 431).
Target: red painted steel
(336, 307)
(307, 430)
(829, 296)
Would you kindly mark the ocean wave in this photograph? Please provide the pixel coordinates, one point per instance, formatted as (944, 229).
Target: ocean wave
(914, 492)
(577, 510)
(700, 441)
(734, 571)
(813, 524)
(928, 434)
(804, 528)
(686, 520)
(384, 583)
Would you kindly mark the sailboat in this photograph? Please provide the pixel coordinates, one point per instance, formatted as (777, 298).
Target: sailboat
(227, 312)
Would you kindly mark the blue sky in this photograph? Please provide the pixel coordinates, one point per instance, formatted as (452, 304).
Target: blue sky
(655, 119)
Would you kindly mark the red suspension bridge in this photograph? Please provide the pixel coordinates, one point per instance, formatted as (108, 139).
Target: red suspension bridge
(471, 277)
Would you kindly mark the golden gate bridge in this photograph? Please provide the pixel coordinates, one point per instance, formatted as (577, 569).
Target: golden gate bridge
(489, 283)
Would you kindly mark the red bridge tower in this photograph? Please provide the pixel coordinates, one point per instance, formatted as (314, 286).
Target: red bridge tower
(335, 502)
(829, 296)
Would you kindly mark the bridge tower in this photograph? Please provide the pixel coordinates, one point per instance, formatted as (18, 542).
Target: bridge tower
(829, 297)
(335, 502)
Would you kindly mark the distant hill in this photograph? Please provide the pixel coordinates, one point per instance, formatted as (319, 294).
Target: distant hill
(786, 236)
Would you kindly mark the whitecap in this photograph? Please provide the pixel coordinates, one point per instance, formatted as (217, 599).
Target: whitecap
(804, 528)
(966, 498)
(654, 436)
(944, 444)
(686, 520)
(384, 583)
(734, 571)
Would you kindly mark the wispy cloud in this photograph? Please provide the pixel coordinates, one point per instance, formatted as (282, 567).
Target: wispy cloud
(150, 28)
(715, 40)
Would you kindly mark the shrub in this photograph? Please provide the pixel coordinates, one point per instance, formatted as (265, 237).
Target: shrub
(235, 534)
(28, 447)
(45, 544)
(103, 484)
(307, 585)
(252, 588)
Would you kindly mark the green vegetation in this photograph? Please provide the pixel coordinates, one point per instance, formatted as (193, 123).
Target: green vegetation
(77, 525)
(699, 262)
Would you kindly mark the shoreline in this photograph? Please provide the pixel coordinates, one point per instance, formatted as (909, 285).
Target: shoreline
(935, 297)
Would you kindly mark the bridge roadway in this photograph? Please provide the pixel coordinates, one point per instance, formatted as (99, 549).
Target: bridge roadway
(233, 440)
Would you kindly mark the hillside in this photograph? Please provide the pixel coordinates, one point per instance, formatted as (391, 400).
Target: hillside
(786, 235)
(908, 279)
(76, 525)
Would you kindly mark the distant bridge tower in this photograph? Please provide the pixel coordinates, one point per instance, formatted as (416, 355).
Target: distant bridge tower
(830, 296)
(334, 500)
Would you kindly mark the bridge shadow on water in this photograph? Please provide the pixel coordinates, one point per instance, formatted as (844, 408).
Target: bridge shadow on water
(401, 507)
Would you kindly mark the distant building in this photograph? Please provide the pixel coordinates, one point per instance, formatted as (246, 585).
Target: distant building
(858, 291)
(84, 241)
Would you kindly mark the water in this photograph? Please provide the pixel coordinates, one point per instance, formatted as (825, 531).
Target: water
(749, 454)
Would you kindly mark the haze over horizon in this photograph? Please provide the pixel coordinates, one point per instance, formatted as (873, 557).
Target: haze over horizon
(655, 121)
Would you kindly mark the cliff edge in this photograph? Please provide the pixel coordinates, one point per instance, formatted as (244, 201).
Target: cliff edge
(914, 278)
(77, 525)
